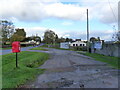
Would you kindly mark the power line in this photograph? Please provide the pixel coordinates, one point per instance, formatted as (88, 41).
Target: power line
(112, 11)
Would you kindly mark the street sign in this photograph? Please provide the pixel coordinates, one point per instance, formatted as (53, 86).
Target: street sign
(16, 49)
(98, 44)
(64, 45)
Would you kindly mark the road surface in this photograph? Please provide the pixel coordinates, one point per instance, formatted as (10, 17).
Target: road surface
(3, 52)
(68, 69)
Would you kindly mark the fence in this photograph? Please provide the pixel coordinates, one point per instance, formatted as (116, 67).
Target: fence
(109, 50)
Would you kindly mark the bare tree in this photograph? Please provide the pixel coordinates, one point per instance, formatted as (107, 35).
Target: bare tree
(116, 35)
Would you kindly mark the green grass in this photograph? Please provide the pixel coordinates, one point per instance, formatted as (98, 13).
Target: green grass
(27, 62)
(39, 48)
(112, 61)
(60, 48)
(0, 73)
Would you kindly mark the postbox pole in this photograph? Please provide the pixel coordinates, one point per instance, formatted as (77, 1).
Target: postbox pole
(16, 60)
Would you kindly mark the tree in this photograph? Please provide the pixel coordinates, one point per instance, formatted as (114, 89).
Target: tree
(36, 38)
(49, 37)
(7, 30)
(98, 38)
(56, 39)
(68, 40)
(118, 36)
(16, 37)
(20, 32)
(19, 35)
(92, 39)
(62, 39)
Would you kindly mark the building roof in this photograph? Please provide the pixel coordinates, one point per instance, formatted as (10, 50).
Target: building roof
(78, 42)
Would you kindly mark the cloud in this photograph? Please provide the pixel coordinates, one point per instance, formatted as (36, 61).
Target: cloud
(106, 12)
(104, 35)
(34, 30)
(33, 11)
(67, 23)
(37, 11)
(64, 11)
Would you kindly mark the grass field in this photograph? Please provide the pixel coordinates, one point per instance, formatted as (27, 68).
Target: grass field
(27, 62)
(112, 61)
(39, 48)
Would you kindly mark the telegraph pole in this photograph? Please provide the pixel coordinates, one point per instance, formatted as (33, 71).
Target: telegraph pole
(87, 32)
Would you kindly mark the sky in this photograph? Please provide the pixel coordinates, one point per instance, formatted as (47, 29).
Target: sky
(67, 18)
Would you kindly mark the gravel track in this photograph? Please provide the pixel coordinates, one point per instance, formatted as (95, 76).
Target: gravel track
(68, 69)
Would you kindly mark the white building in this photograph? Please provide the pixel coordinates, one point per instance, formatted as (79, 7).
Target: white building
(32, 42)
(78, 43)
(64, 45)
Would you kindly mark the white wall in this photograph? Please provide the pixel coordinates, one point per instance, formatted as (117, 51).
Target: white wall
(78, 43)
(64, 45)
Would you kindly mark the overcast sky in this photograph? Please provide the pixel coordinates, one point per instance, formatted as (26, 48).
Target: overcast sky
(66, 17)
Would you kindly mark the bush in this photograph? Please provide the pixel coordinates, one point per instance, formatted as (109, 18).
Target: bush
(80, 48)
(6, 46)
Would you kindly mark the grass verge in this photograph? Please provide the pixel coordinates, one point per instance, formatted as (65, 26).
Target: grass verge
(112, 61)
(27, 61)
(60, 48)
(39, 48)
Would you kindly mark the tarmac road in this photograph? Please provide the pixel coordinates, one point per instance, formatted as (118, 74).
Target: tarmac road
(3, 52)
(68, 69)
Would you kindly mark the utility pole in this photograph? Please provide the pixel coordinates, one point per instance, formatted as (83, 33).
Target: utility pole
(87, 32)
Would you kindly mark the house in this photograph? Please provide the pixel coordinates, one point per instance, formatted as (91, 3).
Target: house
(78, 43)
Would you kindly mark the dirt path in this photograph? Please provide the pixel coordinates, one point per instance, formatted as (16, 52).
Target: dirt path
(68, 69)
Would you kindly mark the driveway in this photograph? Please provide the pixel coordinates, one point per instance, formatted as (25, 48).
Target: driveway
(68, 69)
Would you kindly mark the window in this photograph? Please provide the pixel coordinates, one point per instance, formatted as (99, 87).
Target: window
(76, 44)
(83, 44)
(80, 44)
(73, 44)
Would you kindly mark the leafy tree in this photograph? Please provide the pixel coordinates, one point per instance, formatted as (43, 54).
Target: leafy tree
(27, 39)
(62, 39)
(16, 37)
(92, 39)
(19, 35)
(98, 38)
(20, 32)
(56, 39)
(69, 40)
(117, 36)
(49, 37)
(7, 30)
(36, 38)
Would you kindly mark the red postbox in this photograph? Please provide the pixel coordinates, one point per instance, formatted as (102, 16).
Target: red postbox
(16, 47)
